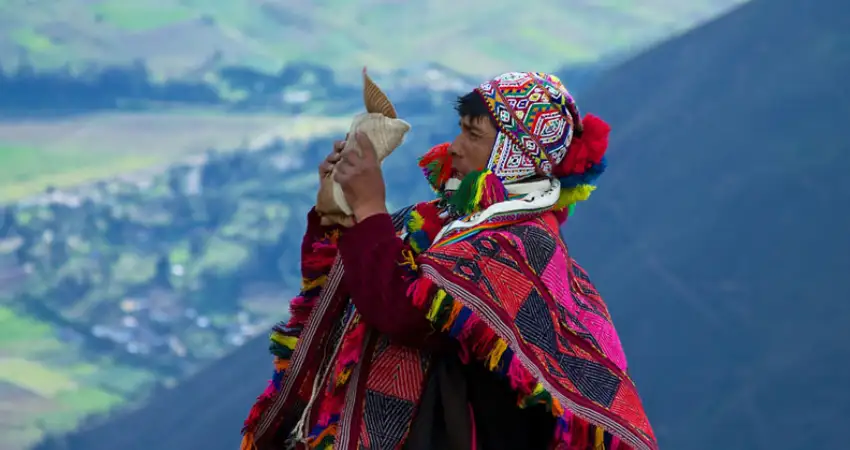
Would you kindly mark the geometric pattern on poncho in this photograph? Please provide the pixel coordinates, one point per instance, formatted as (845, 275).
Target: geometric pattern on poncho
(503, 271)
(393, 387)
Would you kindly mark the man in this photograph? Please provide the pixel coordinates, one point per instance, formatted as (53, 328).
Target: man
(461, 323)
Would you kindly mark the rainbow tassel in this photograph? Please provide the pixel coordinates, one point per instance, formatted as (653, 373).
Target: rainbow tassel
(578, 187)
(283, 340)
(324, 437)
(422, 224)
(589, 176)
(437, 166)
(598, 438)
(477, 191)
(281, 345)
(248, 442)
(418, 238)
(573, 195)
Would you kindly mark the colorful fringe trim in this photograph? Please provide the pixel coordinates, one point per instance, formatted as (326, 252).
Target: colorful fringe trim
(479, 341)
(283, 338)
(324, 437)
(584, 163)
(437, 167)
(578, 187)
(422, 224)
(477, 191)
(323, 434)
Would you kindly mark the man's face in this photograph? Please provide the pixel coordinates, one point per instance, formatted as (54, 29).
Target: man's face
(472, 147)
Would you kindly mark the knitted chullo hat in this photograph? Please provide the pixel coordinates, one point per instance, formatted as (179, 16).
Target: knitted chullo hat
(540, 133)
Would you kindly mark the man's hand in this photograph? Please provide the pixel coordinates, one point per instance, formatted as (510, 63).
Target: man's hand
(361, 180)
(328, 164)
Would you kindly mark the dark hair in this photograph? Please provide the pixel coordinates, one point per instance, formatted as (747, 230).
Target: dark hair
(472, 105)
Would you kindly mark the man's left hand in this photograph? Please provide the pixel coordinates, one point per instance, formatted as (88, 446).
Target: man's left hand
(361, 179)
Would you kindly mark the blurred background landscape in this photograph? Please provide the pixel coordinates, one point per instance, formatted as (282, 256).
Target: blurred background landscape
(157, 160)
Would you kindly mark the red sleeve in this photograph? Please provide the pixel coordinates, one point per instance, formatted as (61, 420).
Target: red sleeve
(378, 282)
(315, 231)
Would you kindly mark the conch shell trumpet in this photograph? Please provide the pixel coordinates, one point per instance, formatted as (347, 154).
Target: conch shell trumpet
(385, 130)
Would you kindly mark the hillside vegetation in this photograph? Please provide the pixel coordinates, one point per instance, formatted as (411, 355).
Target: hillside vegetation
(60, 130)
(180, 37)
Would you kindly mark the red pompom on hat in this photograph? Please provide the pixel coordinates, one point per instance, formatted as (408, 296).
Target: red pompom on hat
(586, 149)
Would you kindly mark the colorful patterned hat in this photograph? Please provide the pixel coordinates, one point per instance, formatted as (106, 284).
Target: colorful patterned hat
(542, 133)
(536, 117)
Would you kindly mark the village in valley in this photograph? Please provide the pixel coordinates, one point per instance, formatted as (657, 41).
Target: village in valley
(116, 288)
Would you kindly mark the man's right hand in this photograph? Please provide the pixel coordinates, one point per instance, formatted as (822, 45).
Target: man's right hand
(328, 164)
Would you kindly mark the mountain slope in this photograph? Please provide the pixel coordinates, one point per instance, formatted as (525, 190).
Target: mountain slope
(176, 36)
(717, 238)
(205, 412)
(724, 205)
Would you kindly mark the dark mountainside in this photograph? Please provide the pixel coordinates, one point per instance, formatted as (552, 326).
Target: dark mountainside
(716, 238)
(719, 236)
